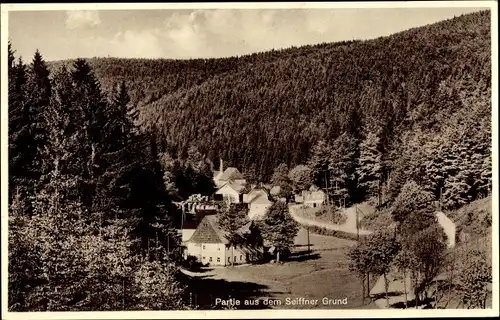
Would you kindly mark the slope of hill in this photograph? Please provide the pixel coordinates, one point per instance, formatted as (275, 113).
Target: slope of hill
(259, 110)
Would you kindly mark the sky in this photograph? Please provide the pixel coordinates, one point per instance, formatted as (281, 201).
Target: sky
(203, 33)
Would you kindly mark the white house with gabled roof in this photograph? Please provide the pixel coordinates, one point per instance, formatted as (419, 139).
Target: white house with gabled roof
(210, 245)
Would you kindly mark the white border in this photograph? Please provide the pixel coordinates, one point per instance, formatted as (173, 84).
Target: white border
(370, 313)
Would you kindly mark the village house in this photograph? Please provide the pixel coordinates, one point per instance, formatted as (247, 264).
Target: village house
(258, 203)
(230, 175)
(189, 223)
(210, 245)
(313, 197)
(230, 184)
(232, 192)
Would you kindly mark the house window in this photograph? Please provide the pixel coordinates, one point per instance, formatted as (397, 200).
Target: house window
(218, 259)
(204, 258)
(210, 259)
(228, 259)
(234, 259)
(241, 258)
(204, 247)
(218, 248)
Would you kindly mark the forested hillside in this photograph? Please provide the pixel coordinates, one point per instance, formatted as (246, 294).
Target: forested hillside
(417, 87)
(259, 110)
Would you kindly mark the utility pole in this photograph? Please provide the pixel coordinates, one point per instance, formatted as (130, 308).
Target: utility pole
(327, 194)
(357, 223)
(308, 242)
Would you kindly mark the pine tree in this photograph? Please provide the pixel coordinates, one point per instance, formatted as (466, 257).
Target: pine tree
(149, 196)
(58, 229)
(369, 170)
(456, 189)
(38, 89)
(110, 262)
(80, 245)
(318, 162)
(343, 162)
(119, 156)
(90, 116)
(61, 152)
(200, 167)
(21, 142)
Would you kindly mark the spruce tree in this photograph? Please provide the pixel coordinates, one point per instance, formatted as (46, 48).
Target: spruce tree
(343, 162)
(22, 145)
(370, 167)
(318, 162)
(90, 116)
(38, 89)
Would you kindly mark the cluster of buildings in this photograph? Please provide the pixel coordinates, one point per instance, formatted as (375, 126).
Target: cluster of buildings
(201, 235)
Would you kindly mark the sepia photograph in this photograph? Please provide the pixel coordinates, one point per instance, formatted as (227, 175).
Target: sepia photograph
(281, 159)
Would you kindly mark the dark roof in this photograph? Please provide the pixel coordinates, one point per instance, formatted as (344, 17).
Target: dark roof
(192, 221)
(208, 232)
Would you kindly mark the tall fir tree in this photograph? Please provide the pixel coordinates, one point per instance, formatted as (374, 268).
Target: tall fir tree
(343, 163)
(370, 167)
(39, 90)
(90, 115)
(318, 162)
(22, 146)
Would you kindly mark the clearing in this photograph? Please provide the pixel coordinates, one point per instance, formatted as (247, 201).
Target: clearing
(323, 273)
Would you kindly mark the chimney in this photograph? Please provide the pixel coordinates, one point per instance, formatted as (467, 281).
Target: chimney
(221, 166)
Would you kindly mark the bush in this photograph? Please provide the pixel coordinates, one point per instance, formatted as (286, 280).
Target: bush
(376, 220)
(192, 264)
(330, 214)
(333, 233)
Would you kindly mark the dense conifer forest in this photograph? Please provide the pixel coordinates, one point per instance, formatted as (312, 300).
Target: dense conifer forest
(405, 93)
(99, 148)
